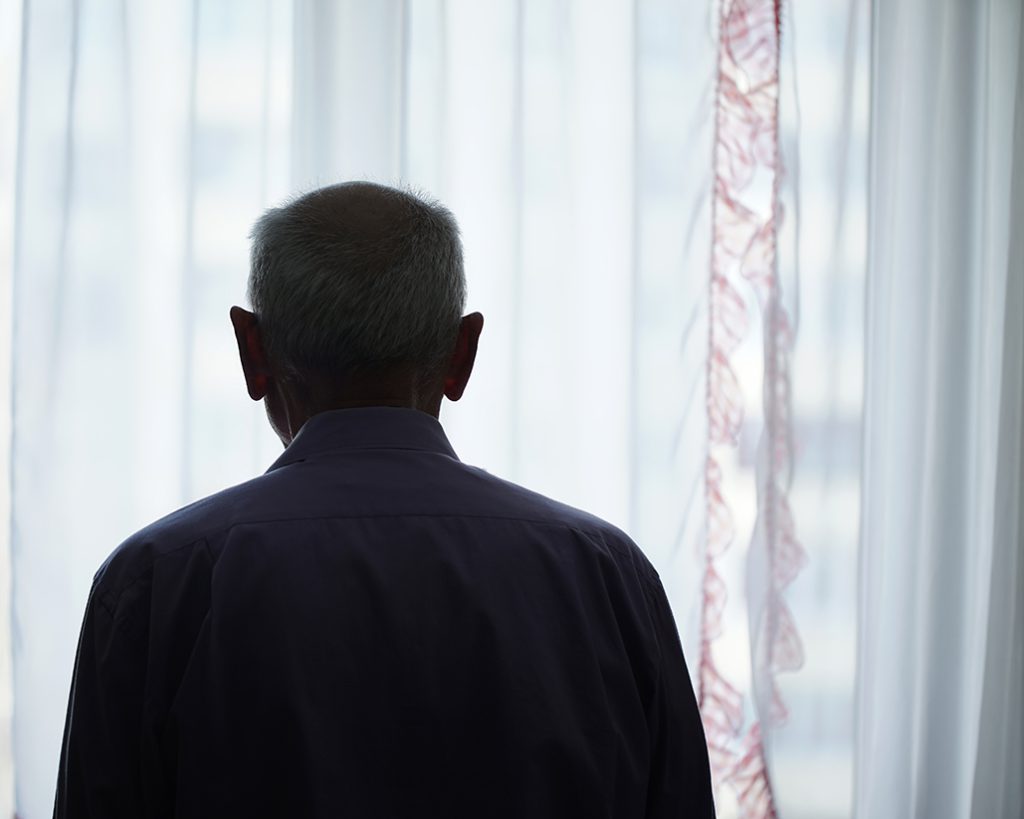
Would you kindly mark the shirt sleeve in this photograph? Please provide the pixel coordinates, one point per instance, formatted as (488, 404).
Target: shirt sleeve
(100, 762)
(680, 783)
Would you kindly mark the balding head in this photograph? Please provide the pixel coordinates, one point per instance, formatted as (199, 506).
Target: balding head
(357, 281)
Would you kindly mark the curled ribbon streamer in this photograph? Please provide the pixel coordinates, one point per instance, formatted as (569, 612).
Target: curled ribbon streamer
(744, 249)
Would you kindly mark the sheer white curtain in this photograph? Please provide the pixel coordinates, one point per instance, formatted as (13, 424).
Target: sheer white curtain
(10, 39)
(940, 728)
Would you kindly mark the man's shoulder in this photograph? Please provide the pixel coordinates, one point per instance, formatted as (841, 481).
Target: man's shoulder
(187, 529)
(532, 507)
(516, 500)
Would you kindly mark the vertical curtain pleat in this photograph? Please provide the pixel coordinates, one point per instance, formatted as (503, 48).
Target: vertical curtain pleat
(11, 36)
(517, 374)
(997, 787)
(940, 540)
(188, 277)
(475, 163)
(159, 44)
(44, 576)
(674, 58)
(348, 91)
(823, 138)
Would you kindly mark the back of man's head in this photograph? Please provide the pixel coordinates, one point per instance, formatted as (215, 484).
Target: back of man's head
(356, 281)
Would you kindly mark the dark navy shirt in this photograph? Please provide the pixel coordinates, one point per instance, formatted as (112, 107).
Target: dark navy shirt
(375, 629)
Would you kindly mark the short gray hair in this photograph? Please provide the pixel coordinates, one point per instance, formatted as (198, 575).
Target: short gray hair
(334, 297)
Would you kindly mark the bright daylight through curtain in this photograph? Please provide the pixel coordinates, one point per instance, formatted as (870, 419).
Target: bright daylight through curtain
(575, 143)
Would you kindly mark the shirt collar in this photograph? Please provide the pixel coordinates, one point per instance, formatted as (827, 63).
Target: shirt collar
(366, 428)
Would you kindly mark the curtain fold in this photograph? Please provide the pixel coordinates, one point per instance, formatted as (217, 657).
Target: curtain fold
(821, 260)
(348, 97)
(10, 56)
(939, 688)
(997, 787)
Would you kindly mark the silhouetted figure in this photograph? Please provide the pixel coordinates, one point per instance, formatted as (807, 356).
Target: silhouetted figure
(373, 628)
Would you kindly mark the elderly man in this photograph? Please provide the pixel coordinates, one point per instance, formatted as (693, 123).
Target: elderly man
(373, 628)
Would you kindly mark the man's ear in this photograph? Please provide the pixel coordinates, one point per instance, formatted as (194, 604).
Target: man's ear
(460, 367)
(255, 365)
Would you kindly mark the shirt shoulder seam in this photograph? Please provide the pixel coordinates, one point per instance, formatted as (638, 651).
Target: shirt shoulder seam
(109, 600)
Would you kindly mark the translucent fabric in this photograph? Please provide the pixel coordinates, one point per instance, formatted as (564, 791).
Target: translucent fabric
(940, 730)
